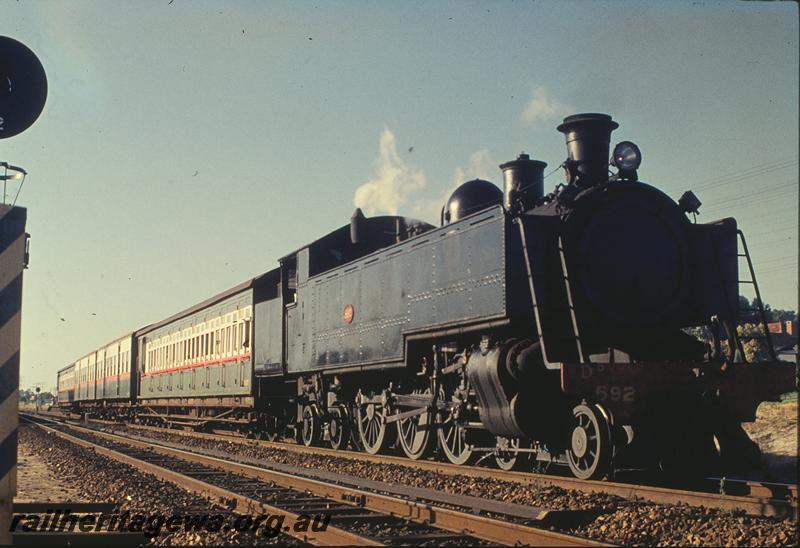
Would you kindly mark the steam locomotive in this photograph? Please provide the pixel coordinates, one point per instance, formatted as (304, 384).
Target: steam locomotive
(532, 329)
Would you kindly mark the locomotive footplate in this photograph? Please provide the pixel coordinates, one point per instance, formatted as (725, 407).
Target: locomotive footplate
(627, 388)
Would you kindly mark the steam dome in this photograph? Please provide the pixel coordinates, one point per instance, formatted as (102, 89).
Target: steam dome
(469, 198)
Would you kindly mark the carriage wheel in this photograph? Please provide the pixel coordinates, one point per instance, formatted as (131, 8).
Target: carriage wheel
(589, 452)
(274, 431)
(507, 455)
(372, 425)
(452, 435)
(414, 433)
(339, 427)
(311, 426)
(270, 429)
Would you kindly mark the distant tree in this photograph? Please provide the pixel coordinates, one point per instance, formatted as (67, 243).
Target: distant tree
(748, 312)
(29, 395)
(749, 325)
(26, 396)
(779, 315)
(755, 350)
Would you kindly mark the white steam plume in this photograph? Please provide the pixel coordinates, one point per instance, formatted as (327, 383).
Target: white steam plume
(481, 166)
(393, 183)
(543, 107)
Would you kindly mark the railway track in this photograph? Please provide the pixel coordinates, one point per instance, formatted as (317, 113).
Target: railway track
(360, 512)
(753, 497)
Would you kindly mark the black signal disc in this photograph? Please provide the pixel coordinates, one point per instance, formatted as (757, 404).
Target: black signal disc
(23, 87)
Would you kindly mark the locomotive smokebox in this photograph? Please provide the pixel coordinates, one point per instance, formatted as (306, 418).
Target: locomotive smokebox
(523, 182)
(588, 137)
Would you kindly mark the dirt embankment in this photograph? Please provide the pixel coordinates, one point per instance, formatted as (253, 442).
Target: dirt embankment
(775, 431)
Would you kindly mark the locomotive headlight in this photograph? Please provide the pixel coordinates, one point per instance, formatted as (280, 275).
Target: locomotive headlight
(626, 157)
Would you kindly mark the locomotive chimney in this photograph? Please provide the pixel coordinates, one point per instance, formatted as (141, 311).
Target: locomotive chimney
(523, 182)
(588, 137)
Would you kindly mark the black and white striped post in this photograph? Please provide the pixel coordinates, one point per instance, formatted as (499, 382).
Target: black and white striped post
(23, 90)
(13, 244)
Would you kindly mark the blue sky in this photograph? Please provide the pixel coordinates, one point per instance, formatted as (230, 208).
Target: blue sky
(186, 145)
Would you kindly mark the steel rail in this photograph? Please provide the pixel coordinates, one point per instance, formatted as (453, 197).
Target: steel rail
(754, 498)
(462, 523)
(332, 536)
(759, 498)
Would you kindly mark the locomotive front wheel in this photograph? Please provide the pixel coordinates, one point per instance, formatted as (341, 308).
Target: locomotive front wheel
(339, 427)
(590, 450)
(414, 433)
(311, 426)
(372, 425)
(507, 455)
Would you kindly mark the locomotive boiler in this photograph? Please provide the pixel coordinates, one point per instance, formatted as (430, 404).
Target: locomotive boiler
(531, 328)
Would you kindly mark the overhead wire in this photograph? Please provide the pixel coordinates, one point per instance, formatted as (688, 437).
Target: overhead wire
(746, 174)
(761, 196)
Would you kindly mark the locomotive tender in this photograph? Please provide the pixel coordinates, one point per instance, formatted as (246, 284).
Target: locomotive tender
(530, 327)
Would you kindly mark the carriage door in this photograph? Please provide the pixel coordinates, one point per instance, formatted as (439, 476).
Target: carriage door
(116, 365)
(292, 334)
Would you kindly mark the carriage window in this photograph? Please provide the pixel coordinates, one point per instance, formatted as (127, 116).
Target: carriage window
(246, 333)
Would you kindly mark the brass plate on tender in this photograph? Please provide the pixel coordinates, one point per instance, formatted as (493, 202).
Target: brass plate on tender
(348, 314)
